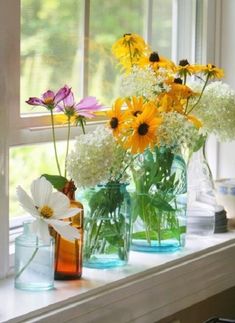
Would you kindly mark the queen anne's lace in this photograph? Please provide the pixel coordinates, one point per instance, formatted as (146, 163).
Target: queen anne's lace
(96, 159)
(176, 132)
(216, 110)
(144, 82)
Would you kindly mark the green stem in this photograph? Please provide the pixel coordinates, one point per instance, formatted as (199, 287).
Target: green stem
(143, 207)
(207, 165)
(203, 89)
(83, 128)
(129, 46)
(159, 228)
(54, 142)
(95, 239)
(185, 77)
(67, 149)
(17, 275)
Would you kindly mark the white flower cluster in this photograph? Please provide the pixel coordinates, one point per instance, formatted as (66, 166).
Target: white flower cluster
(216, 110)
(177, 132)
(144, 82)
(96, 158)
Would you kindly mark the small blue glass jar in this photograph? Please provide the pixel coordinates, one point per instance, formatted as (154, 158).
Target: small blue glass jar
(107, 226)
(34, 261)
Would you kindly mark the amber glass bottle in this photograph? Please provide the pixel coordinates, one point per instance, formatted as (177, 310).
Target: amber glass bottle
(68, 254)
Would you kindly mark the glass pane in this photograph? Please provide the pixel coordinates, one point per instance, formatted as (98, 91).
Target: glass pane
(50, 47)
(32, 161)
(109, 20)
(162, 27)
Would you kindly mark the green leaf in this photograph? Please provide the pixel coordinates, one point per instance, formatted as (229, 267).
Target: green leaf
(161, 204)
(57, 181)
(199, 143)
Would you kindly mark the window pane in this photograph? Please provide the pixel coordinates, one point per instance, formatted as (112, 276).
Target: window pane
(162, 27)
(50, 47)
(28, 163)
(109, 20)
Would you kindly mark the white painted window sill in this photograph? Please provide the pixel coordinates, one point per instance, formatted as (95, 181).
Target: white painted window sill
(149, 288)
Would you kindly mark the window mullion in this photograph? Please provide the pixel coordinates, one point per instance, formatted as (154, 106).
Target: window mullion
(183, 33)
(10, 48)
(85, 45)
(148, 20)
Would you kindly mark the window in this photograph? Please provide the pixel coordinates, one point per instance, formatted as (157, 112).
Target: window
(45, 44)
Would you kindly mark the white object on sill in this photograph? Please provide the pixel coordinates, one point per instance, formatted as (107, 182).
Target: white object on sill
(225, 195)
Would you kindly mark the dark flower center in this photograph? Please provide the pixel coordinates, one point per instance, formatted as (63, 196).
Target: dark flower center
(114, 123)
(213, 66)
(178, 80)
(143, 129)
(136, 113)
(183, 62)
(154, 57)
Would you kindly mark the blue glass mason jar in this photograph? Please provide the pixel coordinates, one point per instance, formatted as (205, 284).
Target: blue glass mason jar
(159, 201)
(107, 225)
(34, 261)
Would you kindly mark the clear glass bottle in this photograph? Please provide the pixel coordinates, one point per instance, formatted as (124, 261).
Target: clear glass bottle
(34, 261)
(202, 203)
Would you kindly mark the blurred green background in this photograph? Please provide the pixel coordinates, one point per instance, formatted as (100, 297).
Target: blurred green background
(51, 56)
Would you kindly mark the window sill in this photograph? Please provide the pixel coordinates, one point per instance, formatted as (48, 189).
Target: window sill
(150, 288)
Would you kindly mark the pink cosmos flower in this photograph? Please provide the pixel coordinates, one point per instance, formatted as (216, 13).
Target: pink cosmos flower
(49, 99)
(85, 108)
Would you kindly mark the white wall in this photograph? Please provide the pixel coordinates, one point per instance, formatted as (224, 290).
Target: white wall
(226, 151)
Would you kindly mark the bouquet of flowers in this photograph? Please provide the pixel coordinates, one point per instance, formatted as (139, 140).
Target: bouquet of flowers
(157, 119)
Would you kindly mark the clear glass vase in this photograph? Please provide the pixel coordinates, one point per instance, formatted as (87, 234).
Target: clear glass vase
(159, 201)
(106, 226)
(202, 203)
(34, 261)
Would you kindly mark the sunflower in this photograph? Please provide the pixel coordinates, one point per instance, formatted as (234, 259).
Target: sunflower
(143, 130)
(116, 117)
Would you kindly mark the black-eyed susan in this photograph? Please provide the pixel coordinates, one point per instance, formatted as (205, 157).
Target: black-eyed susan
(135, 107)
(155, 61)
(116, 117)
(211, 71)
(184, 69)
(197, 123)
(130, 46)
(143, 130)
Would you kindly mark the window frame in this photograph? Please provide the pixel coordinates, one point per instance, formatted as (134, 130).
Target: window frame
(19, 130)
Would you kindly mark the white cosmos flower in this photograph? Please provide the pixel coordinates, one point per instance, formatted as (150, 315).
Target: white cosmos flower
(48, 207)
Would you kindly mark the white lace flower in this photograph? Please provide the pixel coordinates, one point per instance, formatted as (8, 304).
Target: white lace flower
(48, 208)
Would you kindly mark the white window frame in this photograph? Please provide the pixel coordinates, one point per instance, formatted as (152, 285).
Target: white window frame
(17, 130)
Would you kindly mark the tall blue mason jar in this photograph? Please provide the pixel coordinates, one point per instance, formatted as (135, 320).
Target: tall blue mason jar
(34, 261)
(159, 201)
